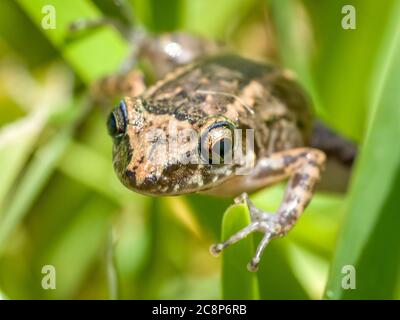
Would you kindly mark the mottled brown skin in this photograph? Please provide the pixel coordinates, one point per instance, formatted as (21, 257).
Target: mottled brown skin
(248, 94)
(212, 97)
(158, 55)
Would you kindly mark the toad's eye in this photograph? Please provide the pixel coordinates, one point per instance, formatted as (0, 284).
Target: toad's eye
(221, 148)
(216, 143)
(117, 121)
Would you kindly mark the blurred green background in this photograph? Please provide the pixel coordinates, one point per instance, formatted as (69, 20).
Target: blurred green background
(61, 204)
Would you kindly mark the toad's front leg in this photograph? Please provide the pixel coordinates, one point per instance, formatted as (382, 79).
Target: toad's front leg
(303, 167)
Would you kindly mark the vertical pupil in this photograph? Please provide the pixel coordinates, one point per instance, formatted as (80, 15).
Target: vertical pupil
(215, 144)
(221, 148)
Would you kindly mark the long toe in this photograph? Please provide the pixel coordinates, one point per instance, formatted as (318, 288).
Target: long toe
(252, 266)
(216, 249)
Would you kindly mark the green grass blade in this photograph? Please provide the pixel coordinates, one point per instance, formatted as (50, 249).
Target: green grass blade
(112, 270)
(167, 14)
(369, 237)
(73, 251)
(92, 169)
(237, 282)
(20, 32)
(16, 144)
(211, 18)
(82, 53)
(142, 12)
(36, 175)
(295, 46)
(344, 59)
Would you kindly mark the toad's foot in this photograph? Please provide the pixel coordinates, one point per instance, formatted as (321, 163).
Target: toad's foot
(303, 166)
(261, 221)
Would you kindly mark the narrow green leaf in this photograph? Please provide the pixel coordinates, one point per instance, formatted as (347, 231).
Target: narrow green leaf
(95, 171)
(16, 143)
(142, 12)
(369, 237)
(294, 38)
(73, 251)
(20, 34)
(344, 59)
(36, 175)
(310, 269)
(209, 211)
(211, 18)
(167, 14)
(82, 52)
(237, 281)
(112, 270)
(276, 276)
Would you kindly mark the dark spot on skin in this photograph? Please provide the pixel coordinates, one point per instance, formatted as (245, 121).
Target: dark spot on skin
(181, 110)
(271, 121)
(296, 180)
(233, 62)
(130, 87)
(300, 125)
(141, 159)
(293, 214)
(131, 177)
(182, 94)
(170, 168)
(313, 163)
(300, 180)
(181, 115)
(287, 160)
(191, 114)
(269, 172)
(130, 154)
(157, 108)
(199, 98)
(148, 182)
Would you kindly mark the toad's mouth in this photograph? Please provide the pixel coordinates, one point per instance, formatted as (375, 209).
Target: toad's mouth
(174, 180)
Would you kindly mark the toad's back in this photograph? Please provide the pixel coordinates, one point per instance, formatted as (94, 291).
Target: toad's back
(251, 94)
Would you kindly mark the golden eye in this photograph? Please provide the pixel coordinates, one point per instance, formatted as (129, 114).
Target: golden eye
(216, 143)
